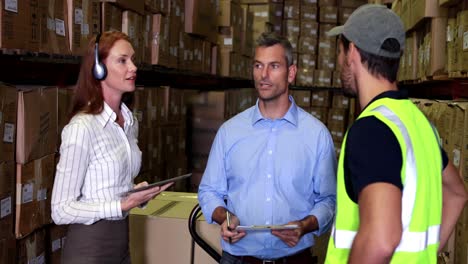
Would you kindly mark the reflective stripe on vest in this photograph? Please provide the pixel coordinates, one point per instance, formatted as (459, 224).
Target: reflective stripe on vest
(410, 241)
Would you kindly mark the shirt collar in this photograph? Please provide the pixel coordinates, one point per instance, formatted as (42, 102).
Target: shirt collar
(392, 94)
(108, 114)
(290, 116)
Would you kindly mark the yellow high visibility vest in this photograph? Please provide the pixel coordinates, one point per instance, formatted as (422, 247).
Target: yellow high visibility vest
(422, 187)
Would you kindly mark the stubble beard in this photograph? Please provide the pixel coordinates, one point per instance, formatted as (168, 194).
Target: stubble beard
(347, 83)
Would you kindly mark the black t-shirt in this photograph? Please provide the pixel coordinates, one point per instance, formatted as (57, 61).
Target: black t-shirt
(373, 153)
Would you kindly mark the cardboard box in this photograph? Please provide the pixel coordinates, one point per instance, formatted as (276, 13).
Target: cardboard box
(157, 6)
(8, 113)
(133, 5)
(198, 17)
(301, 97)
(36, 134)
(7, 199)
(83, 23)
(247, 41)
(323, 78)
(34, 182)
(159, 233)
(308, 13)
(160, 40)
(462, 41)
(31, 249)
(308, 3)
(111, 16)
(309, 28)
(19, 22)
(291, 9)
(307, 45)
(336, 82)
(305, 77)
(8, 250)
(323, 3)
(56, 236)
(321, 113)
(326, 61)
(291, 28)
(229, 14)
(328, 14)
(327, 46)
(340, 101)
(54, 27)
(343, 14)
(351, 3)
(306, 61)
(132, 25)
(321, 98)
(421, 9)
(64, 104)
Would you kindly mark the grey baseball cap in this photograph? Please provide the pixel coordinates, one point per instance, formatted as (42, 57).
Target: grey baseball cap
(369, 26)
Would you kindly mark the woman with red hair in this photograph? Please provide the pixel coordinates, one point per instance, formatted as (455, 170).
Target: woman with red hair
(99, 157)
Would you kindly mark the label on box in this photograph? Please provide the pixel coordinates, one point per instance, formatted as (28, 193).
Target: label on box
(84, 29)
(456, 157)
(56, 245)
(11, 5)
(147, 23)
(449, 34)
(306, 99)
(50, 24)
(78, 16)
(337, 117)
(131, 32)
(465, 40)
(5, 207)
(27, 192)
(227, 41)
(40, 259)
(59, 27)
(9, 133)
(42, 194)
(261, 14)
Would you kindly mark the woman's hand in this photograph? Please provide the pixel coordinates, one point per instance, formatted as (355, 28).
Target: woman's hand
(137, 198)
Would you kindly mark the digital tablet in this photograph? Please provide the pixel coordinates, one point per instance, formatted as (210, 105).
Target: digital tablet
(266, 227)
(159, 183)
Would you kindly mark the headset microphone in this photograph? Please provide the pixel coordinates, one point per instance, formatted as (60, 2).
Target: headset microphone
(99, 68)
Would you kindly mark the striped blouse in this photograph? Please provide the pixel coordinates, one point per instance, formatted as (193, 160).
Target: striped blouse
(98, 160)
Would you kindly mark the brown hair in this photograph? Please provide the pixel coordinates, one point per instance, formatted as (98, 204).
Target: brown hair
(88, 96)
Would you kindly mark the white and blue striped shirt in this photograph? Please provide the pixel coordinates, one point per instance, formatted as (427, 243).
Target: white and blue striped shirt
(98, 160)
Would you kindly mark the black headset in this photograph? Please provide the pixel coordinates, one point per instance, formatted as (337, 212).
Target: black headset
(99, 68)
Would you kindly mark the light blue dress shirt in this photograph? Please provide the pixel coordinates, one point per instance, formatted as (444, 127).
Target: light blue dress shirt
(271, 172)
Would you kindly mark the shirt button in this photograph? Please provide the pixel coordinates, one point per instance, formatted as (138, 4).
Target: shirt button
(270, 151)
(268, 199)
(269, 176)
(267, 222)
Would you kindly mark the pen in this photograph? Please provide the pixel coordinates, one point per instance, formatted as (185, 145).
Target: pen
(228, 220)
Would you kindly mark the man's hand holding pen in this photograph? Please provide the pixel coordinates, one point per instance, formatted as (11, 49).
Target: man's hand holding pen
(228, 229)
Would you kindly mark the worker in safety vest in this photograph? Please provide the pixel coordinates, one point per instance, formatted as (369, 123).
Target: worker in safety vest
(398, 196)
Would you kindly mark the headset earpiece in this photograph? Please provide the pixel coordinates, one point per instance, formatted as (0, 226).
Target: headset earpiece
(99, 68)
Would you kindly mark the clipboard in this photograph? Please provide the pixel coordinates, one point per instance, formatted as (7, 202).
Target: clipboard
(265, 227)
(159, 183)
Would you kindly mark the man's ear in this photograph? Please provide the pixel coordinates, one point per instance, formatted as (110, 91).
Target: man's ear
(353, 54)
(292, 70)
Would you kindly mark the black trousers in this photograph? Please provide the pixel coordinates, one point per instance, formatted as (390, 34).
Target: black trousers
(102, 242)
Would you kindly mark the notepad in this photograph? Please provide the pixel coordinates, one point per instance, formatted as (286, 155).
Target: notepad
(159, 183)
(265, 227)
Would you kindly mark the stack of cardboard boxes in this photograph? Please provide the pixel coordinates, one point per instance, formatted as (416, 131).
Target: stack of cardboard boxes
(451, 121)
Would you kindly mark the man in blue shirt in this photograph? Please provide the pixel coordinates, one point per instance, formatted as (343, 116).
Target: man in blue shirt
(274, 164)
